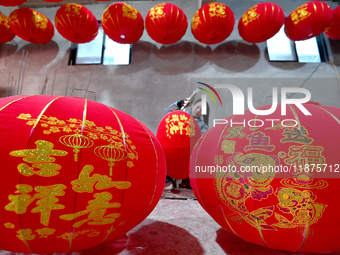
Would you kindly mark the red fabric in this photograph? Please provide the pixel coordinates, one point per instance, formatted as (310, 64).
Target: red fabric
(166, 23)
(261, 22)
(91, 148)
(76, 23)
(123, 23)
(294, 211)
(12, 2)
(31, 25)
(308, 20)
(178, 132)
(213, 23)
(6, 33)
(333, 31)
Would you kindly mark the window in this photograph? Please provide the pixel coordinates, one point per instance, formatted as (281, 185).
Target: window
(281, 48)
(101, 51)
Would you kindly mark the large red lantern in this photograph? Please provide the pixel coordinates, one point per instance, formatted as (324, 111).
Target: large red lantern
(273, 180)
(31, 25)
(178, 132)
(261, 22)
(123, 23)
(76, 23)
(12, 2)
(308, 20)
(6, 33)
(212, 23)
(75, 170)
(333, 31)
(166, 23)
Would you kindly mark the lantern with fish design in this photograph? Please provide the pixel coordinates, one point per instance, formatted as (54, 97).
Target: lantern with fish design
(75, 169)
(273, 181)
(76, 23)
(178, 132)
(31, 25)
(166, 23)
(6, 33)
(123, 23)
(308, 20)
(213, 23)
(261, 22)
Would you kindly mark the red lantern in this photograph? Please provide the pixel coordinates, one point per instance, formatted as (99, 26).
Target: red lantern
(273, 181)
(12, 2)
(74, 173)
(166, 23)
(76, 23)
(212, 23)
(333, 31)
(123, 23)
(31, 25)
(178, 132)
(261, 22)
(6, 33)
(308, 20)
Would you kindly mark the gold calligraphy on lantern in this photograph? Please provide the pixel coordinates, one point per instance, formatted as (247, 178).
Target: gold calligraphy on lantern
(4, 21)
(129, 11)
(300, 14)
(157, 12)
(40, 158)
(297, 135)
(73, 10)
(96, 211)
(39, 20)
(45, 196)
(234, 132)
(260, 141)
(86, 183)
(305, 155)
(195, 21)
(179, 124)
(217, 10)
(250, 15)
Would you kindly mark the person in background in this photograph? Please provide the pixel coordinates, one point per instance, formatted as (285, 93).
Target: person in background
(202, 121)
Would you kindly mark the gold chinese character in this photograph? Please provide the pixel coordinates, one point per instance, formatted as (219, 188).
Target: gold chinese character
(96, 211)
(234, 132)
(260, 141)
(296, 134)
(305, 155)
(46, 200)
(85, 183)
(41, 154)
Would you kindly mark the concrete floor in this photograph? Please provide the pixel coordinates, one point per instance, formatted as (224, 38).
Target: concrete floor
(177, 226)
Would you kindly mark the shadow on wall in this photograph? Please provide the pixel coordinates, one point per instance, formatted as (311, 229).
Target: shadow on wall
(335, 49)
(185, 57)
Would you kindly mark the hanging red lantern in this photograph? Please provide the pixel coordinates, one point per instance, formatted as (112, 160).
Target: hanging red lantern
(31, 25)
(261, 22)
(308, 20)
(212, 23)
(74, 173)
(333, 31)
(273, 181)
(178, 132)
(12, 2)
(76, 23)
(166, 23)
(6, 33)
(123, 23)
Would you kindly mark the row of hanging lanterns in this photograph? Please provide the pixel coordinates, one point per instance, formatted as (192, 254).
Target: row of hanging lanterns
(166, 23)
